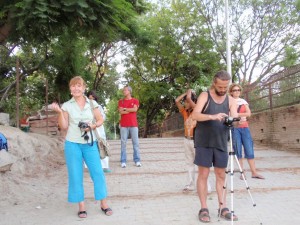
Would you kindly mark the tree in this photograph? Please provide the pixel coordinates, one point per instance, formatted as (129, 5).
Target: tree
(298, 5)
(54, 39)
(42, 20)
(175, 54)
(42, 24)
(264, 35)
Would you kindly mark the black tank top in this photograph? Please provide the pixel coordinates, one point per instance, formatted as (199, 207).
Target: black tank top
(213, 133)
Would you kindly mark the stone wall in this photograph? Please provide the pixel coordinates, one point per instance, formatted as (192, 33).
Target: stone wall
(277, 128)
(40, 126)
(174, 133)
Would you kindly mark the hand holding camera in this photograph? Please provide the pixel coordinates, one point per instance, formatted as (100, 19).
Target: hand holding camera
(228, 121)
(86, 127)
(83, 125)
(220, 116)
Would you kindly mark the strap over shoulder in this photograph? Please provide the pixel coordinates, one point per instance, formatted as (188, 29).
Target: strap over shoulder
(207, 102)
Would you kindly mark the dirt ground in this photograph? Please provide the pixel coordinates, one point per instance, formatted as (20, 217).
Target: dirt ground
(36, 179)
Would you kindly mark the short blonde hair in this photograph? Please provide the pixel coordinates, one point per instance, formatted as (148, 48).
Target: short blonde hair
(77, 80)
(235, 85)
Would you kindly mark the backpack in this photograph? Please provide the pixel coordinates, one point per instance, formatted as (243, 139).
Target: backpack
(3, 142)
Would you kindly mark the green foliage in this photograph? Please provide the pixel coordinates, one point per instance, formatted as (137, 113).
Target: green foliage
(43, 20)
(298, 5)
(103, 67)
(30, 58)
(290, 58)
(177, 55)
(52, 39)
(31, 98)
(112, 117)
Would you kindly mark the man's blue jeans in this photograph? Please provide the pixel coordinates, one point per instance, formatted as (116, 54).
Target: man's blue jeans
(134, 133)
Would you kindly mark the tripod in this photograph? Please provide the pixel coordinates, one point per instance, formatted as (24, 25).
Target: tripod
(230, 170)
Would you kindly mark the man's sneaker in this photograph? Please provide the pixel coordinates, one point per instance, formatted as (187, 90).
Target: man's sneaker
(187, 188)
(123, 165)
(138, 164)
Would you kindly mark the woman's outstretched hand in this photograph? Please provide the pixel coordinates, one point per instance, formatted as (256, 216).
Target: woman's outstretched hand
(55, 107)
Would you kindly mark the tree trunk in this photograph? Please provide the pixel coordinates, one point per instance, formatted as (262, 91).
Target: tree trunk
(146, 128)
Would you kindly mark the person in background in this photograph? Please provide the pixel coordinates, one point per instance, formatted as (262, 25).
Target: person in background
(104, 162)
(128, 107)
(76, 117)
(211, 137)
(241, 134)
(189, 100)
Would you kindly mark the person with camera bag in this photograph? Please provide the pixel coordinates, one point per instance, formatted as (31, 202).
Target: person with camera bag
(241, 134)
(104, 162)
(76, 117)
(185, 104)
(211, 137)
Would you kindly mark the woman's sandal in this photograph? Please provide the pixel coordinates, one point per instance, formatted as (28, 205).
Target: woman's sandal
(204, 215)
(258, 176)
(107, 211)
(226, 214)
(82, 214)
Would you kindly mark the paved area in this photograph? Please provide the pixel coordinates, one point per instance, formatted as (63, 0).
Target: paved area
(152, 194)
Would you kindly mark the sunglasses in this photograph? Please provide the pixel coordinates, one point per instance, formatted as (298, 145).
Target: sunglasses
(235, 90)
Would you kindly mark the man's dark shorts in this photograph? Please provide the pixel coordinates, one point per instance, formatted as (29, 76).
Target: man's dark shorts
(208, 157)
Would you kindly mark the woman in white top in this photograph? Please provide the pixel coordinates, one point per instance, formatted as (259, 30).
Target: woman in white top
(242, 138)
(77, 118)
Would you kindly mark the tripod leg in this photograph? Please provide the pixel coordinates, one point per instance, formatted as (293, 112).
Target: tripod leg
(247, 188)
(242, 174)
(230, 171)
(241, 170)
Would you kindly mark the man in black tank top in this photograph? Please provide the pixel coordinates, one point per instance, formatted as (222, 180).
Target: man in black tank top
(211, 136)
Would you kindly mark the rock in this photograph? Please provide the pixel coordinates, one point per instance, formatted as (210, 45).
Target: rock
(6, 160)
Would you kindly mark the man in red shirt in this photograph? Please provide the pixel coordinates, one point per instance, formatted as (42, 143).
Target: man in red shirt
(128, 107)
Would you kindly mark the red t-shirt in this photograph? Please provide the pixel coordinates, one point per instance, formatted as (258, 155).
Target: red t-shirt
(130, 119)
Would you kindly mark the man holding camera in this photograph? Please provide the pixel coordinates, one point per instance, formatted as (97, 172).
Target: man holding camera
(128, 107)
(211, 137)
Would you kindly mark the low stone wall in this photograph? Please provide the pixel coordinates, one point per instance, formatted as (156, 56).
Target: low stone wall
(40, 125)
(277, 128)
(174, 133)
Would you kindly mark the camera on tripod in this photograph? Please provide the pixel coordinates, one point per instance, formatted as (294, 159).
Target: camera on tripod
(83, 125)
(228, 121)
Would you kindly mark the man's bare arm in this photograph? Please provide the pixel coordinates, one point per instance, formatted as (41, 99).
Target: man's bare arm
(197, 112)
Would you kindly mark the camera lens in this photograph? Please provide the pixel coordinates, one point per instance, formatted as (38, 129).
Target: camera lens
(83, 125)
(86, 137)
